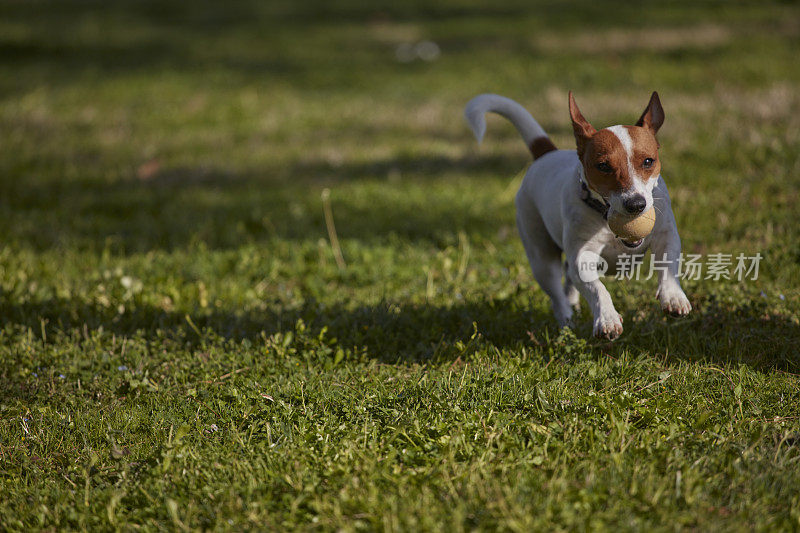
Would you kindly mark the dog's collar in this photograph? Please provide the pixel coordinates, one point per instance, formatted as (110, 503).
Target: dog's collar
(593, 199)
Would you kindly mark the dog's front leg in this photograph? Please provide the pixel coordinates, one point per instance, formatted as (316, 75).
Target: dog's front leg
(666, 254)
(607, 322)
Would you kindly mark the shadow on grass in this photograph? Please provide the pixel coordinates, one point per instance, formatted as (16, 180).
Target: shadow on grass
(389, 332)
(66, 41)
(310, 43)
(417, 333)
(176, 207)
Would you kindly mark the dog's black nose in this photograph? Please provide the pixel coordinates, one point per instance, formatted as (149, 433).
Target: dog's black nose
(635, 204)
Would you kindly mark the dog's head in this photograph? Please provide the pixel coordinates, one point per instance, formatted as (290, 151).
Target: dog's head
(621, 162)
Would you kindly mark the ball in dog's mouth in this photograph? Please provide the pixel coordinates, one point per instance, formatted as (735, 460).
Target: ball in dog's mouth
(632, 230)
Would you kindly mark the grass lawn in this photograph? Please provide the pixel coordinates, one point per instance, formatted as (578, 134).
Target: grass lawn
(180, 350)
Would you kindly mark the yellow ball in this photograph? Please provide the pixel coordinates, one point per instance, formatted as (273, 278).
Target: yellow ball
(632, 229)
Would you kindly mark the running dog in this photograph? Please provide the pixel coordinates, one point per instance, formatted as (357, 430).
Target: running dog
(567, 195)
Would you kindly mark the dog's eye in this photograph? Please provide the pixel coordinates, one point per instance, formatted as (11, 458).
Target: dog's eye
(604, 167)
(647, 163)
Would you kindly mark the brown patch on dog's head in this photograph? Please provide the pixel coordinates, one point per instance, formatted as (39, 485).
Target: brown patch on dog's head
(645, 146)
(607, 165)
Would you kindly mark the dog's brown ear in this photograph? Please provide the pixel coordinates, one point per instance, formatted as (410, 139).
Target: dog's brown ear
(653, 116)
(583, 130)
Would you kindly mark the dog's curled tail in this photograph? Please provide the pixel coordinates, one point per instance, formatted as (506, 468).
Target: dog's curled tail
(532, 133)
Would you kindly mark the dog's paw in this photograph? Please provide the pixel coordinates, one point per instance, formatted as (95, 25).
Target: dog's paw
(608, 325)
(675, 303)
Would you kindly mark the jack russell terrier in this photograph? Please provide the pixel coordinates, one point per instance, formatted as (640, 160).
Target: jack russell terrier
(566, 196)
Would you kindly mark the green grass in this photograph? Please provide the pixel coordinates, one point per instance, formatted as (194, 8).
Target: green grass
(179, 349)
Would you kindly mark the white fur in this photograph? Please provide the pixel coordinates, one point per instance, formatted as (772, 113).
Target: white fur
(556, 226)
(624, 137)
(627, 144)
(518, 115)
(639, 186)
